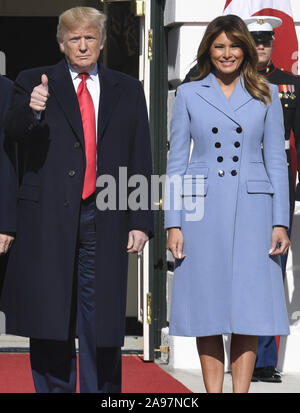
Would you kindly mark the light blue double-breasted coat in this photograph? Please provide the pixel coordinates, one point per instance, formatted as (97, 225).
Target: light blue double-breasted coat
(228, 282)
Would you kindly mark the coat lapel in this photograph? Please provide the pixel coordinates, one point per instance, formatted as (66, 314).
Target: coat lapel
(209, 90)
(109, 96)
(240, 95)
(61, 85)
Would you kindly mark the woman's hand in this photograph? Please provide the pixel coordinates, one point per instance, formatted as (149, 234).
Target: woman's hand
(175, 242)
(279, 236)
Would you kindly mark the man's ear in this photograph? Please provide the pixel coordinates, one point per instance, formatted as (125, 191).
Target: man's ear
(61, 46)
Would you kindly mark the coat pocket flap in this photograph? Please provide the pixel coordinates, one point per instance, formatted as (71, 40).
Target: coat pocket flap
(259, 187)
(29, 192)
(194, 171)
(197, 169)
(195, 187)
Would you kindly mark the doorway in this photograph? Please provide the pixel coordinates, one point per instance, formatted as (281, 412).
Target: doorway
(22, 48)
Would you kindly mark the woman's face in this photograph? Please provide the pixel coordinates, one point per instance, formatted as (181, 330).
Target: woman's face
(226, 54)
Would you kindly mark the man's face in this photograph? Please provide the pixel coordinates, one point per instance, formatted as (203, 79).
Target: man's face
(264, 51)
(82, 48)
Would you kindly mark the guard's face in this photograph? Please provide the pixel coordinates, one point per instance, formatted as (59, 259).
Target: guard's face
(82, 48)
(226, 54)
(264, 51)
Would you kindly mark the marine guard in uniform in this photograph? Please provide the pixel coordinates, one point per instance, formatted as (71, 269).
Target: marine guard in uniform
(262, 30)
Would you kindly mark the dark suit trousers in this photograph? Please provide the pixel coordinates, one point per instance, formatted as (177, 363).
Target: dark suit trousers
(53, 363)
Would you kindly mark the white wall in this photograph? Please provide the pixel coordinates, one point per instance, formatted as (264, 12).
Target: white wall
(186, 21)
(296, 10)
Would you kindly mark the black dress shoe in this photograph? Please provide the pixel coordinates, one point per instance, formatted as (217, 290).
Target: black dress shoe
(254, 377)
(267, 374)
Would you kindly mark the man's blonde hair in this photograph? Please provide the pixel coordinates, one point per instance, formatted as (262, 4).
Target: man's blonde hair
(81, 17)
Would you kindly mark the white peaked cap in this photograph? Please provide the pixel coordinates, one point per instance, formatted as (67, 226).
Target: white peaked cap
(262, 23)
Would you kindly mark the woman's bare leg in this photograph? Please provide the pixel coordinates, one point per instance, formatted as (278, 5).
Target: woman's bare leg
(243, 355)
(211, 353)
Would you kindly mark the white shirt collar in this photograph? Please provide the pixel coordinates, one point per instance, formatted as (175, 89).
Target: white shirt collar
(93, 73)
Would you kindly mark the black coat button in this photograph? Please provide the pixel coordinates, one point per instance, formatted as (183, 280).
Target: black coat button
(218, 145)
(221, 172)
(237, 144)
(214, 130)
(239, 129)
(72, 173)
(66, 204)
(234, 172)
(235, 158)
(76, 145)
(220, 159)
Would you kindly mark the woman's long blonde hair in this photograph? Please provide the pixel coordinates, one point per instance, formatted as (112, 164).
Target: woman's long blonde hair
(234, 27)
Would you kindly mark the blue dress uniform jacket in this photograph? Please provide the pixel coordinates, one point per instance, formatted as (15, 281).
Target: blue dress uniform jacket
(227, 283)
(37, 292)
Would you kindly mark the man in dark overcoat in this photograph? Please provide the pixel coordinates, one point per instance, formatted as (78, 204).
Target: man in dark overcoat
(7, 182)
(81, 127)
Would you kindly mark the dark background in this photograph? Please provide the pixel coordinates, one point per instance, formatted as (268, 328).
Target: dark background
(28, 42)
(31, 41)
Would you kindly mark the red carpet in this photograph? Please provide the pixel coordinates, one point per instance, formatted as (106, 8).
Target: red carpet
(138, 376)
(146, 377)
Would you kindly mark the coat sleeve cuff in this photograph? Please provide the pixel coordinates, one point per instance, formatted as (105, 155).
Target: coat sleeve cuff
(172, 220)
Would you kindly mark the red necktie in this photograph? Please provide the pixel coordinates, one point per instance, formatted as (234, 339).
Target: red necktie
(89, 129)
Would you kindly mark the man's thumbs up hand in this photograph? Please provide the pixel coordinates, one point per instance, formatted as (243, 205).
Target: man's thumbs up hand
(39, 95)
(45, 82)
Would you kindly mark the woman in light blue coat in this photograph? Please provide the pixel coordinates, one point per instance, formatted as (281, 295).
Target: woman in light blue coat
(227, 205)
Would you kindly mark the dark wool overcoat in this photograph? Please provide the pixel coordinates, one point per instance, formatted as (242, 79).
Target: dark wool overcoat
(38, 287)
